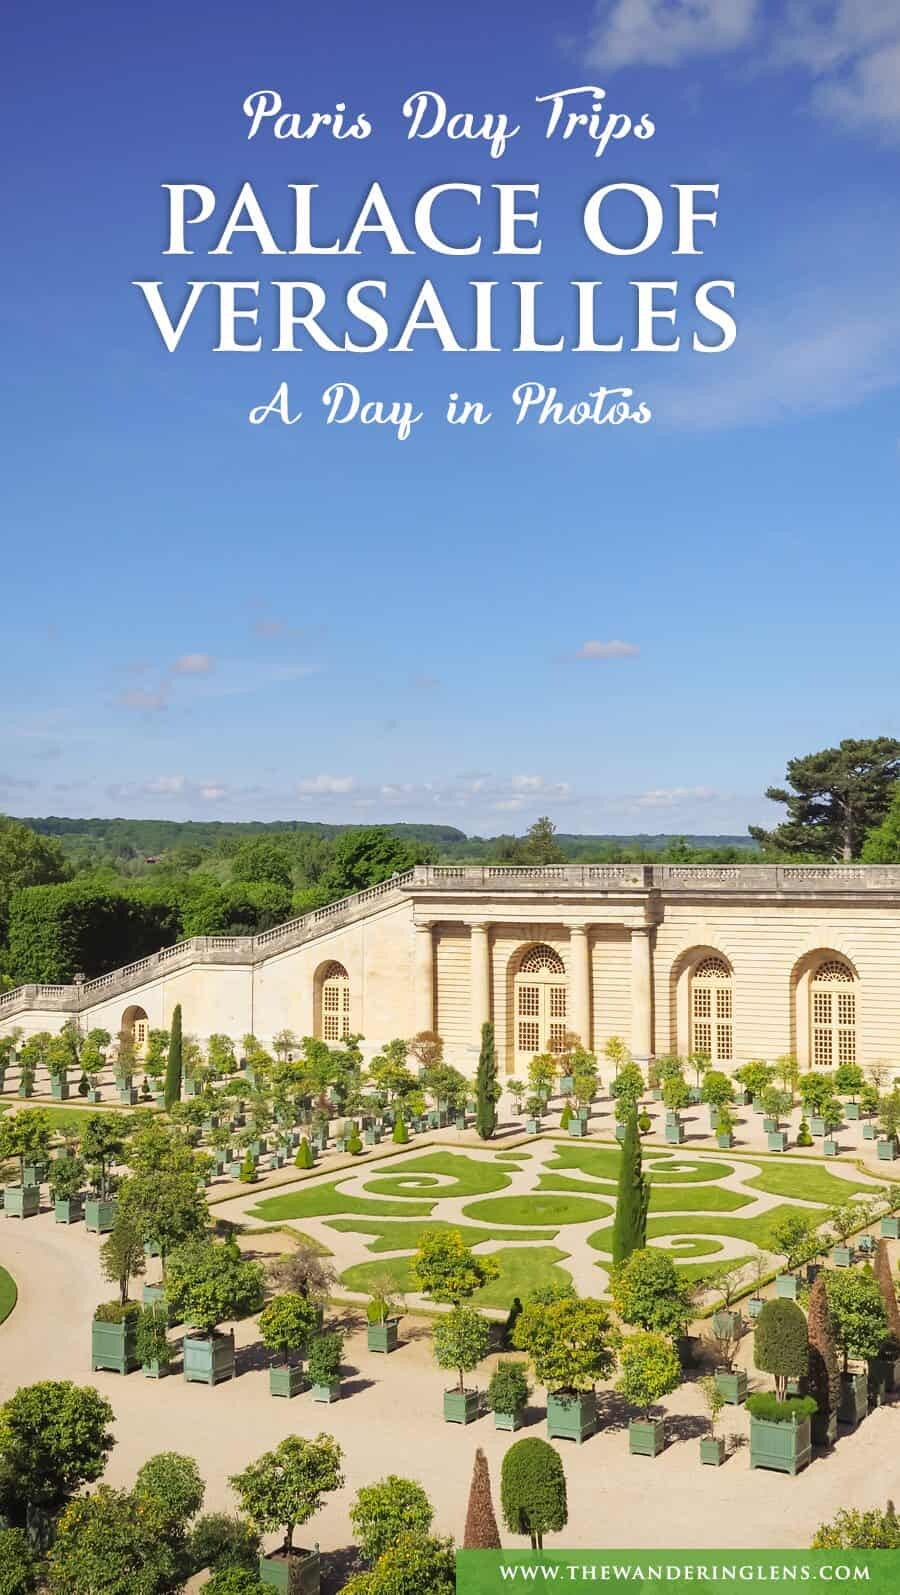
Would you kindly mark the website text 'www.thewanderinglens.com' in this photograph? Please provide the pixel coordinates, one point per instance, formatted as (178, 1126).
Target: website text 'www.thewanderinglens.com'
(674, 1572)
(715, 1572)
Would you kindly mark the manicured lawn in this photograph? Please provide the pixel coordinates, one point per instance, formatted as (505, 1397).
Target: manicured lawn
(8, 1294)
(712, 1271)
(522, 1269)
(756, 1230)
(320, 1201)
(512, 1154)
(470, 1178)
(536, 1209)
(663, 1199)
(397, 1236)
(603, 1163)
(806, 1181)
(62, 1117)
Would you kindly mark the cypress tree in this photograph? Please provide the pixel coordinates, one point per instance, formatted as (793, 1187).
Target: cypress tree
(824, 1371)
(882, 1272)
(481, 1532)
(173, 1066)
(632, 1196)
(487, 1090)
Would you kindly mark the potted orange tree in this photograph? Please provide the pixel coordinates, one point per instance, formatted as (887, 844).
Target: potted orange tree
(649, 1369)
(446, 1270)
(283, 1489)
(285, 1326)
(568, 1339)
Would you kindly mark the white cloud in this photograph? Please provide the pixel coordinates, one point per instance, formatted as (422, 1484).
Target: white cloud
(669, 797)
(166, 785)
(193, 665)
(849, 48)
(510, 805)
(146, 700)
(614, 649)
(666, 32)
(326, 784)
(212, 794)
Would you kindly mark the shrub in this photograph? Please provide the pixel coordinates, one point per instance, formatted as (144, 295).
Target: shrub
(533, 1491)
(208, 1281)
(647, 1291)
(116, 1312)
(860, 1531)
(286, 1323)
(248, 1171)
(568, 1340)
(508, 1390)
(304, 1158)
(766, 1405)
(325, 1355)
(460, 1340)
(151, 1340)
(804, 1138)
(219, 1540)
(384, 1511)
(234, 1580)
(400, 1134)
(481, 1532)
(780, 1345)
(354, 1142)
(650, 1369)
(857, 1312)
(824, 1375)
(171, 1485)
(447, 1270)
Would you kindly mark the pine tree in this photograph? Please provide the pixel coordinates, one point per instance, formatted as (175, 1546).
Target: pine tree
(173, 1067)
(824, 1370)
(632, 1196)
(481, 1532)
(487, 1090)
(882, 1272)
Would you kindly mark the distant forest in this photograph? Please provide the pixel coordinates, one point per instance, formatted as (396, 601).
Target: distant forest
(133, 845)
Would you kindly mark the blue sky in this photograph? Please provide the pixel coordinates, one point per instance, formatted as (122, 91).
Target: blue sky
(218, 620)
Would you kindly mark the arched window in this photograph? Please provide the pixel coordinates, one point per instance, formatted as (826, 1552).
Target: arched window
(335, 1003)
(541, 1004)
(832, 997)
(712, 1011)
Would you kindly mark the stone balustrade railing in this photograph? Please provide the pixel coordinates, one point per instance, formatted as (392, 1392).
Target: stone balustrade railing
(496, 878)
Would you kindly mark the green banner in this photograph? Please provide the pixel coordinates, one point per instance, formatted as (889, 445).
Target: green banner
(713, 1572)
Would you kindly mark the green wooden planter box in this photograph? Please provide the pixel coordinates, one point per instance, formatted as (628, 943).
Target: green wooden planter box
(786, 1286)
(733, 1384)
(571, 1415)
(816, 1126)
(769, 1126)
(93, 1095)
(212, 1123)
(68, 1209)
(288, 1380)
(234, 1168)
(155, 1370)
(533, 1126)
(757, 1104)
(509, 1420)
(726, 1323)
(884, 1378)
(59, 1089)
(830, 1146)
(208, 1359)
(675, 1133)
(824, 1429)
(713, 1118)
(35, 1173)
(696, 1093)
(851, 1110)
(152, 1294)
(621, 1132)
(383, 1337)
(327, 1393)
(841, 1256)
(854, 1402)
(577, 1127)
(725, 1141)
(462, 1406)
(869, 1132)
(128, 1095)
(566, 1085)
(22, 1201)
(583, 1114)
(656, 1094)
(113, 1346)
(887, 1149)
(297, 1574)
(890, 1227)
(785, 1447)
(755, 1306)
(712, 1451)
(866, 1244)
(99, 1216)
(777, 1140)
(646, 1437)
(371, 1137)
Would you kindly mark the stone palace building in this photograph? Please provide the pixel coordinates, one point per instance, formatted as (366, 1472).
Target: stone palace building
(739, 961)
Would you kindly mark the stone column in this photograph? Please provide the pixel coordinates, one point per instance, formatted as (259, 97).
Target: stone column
(480, 979)
(641, 994)
(579, 1019)
(423, 994)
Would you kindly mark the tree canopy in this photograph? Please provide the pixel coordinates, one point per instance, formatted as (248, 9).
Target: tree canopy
(833, 798)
